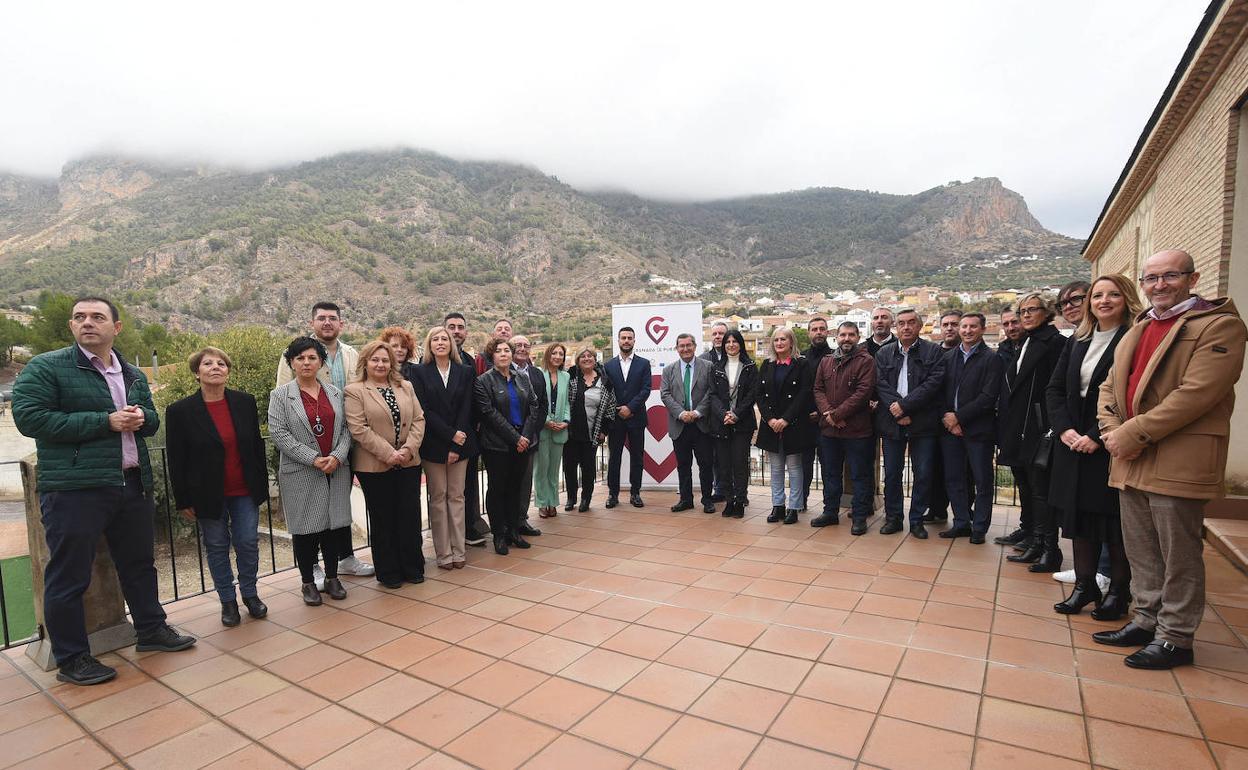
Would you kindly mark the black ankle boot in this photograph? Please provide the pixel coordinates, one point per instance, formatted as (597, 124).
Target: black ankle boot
(500, 542)
(1115, 604)
(1051, 559)
(790, 516)
(1086, 592)
(1033, 552)
(777, 514)
(229, 614)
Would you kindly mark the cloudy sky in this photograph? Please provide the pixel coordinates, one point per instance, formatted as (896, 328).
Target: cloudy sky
(679, 100)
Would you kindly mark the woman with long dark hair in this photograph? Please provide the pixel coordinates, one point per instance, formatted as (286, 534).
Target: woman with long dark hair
(1080, 488)
(733, 387)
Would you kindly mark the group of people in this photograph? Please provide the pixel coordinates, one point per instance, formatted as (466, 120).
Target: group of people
(1116, 436)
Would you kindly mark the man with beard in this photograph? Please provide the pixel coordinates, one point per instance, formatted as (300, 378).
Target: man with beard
(1007, 349)
(938, 507)
(475, 528)
(818, 331)
(1012, 330)
(844, 386)
(881, 330)
(338, 369)
(629, 376)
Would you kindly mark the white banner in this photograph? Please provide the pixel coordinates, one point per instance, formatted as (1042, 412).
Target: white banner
(657, 324)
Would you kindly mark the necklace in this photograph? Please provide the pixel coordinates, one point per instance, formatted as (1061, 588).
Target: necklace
(318, 429)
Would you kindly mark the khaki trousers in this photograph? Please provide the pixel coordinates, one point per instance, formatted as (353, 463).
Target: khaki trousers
(446, 508)
(1162, 535)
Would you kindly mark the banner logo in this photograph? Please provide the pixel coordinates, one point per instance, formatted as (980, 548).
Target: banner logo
(656, 330)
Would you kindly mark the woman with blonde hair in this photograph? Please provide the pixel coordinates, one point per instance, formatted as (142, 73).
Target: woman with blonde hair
(591, 404)
(1080, 491)
(387, 423)
(448, 453)
(554, 432)
(785, 398)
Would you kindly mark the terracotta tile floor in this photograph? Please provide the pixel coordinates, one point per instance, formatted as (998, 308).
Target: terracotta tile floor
(640, 638)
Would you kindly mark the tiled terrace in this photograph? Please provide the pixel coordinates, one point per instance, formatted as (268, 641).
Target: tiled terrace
(642, 638)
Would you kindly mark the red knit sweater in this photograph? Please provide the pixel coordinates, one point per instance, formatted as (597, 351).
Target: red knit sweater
(1153, 334)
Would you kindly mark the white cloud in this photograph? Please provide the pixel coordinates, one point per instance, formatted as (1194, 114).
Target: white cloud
(675, 100)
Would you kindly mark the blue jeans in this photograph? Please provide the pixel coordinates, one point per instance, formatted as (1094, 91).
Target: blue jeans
(922, 457)
(859, 453)
(957, 454)
(237, 525)
(793, 464)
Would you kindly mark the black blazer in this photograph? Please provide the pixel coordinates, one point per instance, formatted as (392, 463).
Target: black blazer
(632, 393)
(793, 401)
(1079, 481)
(448, 408)
(197, 456)
(494, 409)
(1020, 428)
(925, 375)
(747, 389)
(976, 385)
(539, 381)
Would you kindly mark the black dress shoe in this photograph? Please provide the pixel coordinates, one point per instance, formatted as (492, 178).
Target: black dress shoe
(569, 505)
(635, 500)
(790, 516)
(1025, 544)
(473, 537)
(164, 639)
(891, 527)
(953, 532)
(500, 545)
(229, 614)
(612, 501)
(919, 531)
(1115, 604)
(1086, 592)
(528, 531)
(826, 520)
(514, 539)
(255, 608)
(717, 498)
(683, 505)
(1012, 538)
(1160, 654)
(776, 515)
(708, 507)
(391, 584)
(416, 580)
(584, 506)
(335, 589)
(1129, 635)
(1032, 554)
(311, 596)
(85, 670)
(977, 538)
(859, 528)
(728, 509)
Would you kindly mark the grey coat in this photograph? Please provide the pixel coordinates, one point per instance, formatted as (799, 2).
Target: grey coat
(672, 389)
(311, 503)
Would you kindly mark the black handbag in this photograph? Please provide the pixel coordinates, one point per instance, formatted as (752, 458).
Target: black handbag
(1043, 458)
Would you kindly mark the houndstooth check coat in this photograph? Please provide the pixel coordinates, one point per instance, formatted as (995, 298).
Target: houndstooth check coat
(312, 501)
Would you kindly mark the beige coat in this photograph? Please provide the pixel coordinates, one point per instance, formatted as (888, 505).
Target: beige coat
(368, 419)
(1182, 406)
(350, 357)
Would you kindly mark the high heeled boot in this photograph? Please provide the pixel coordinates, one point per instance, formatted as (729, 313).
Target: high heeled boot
(1086, 592)
(1117, 602)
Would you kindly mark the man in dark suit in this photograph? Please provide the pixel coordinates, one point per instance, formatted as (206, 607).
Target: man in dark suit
(908, 384)
(630, 379)
(973, 376)
(686, 392)
(938, 504)
(817, 328)
(522, 364)
(475, 528)
(715, 354)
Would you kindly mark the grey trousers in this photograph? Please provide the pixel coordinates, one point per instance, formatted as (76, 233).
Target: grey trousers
(1162, 535)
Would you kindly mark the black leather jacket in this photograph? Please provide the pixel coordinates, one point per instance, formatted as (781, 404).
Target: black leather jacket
(493, 406)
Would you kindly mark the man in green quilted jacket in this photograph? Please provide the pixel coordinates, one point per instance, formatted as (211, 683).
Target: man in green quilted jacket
(89, 413)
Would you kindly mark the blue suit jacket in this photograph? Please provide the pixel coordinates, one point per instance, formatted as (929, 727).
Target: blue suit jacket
(633, 392)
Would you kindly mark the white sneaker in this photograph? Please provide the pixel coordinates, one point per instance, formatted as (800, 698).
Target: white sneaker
(1102, 582)
(318, 576)
(353, 566)
(1065, 576)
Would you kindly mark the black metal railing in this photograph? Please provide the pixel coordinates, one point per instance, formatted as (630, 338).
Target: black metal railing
(180, 554)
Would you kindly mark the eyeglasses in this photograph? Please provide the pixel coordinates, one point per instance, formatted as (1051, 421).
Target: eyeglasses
(1073, 300)
(1030, 310)
(1170, 277)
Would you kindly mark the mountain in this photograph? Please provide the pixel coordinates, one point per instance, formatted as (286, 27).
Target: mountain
(401, 236)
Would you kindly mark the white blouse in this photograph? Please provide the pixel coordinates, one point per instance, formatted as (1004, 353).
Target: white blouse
(1096, 349)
